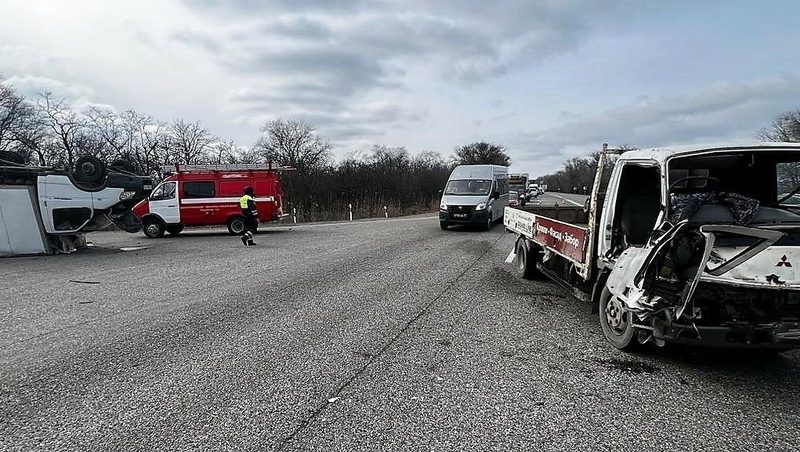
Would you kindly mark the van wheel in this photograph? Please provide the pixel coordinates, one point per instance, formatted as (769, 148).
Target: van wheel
(153, 228)
(89, 169)
(525, 262)
(8, 157)
(236, 226)
(174, 229)
(443, 225)
(122, 166)
(489, 223)
(617, 322)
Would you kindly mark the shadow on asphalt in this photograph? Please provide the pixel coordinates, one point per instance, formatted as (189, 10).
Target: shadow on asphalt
(471, 228)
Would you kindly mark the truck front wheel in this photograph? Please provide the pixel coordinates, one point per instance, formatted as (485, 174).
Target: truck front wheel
(617, 322)
(236, 226)
(153, 228)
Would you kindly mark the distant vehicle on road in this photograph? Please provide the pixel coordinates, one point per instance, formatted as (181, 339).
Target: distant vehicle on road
(474, 194)
(689, 246)
(208, 195)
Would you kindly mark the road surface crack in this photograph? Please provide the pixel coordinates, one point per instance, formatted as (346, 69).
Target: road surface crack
(375, 356)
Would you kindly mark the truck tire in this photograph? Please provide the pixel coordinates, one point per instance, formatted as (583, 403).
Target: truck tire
(174, 229)
(525, 262)
(9, 157)
(236, 226)
(617, 322)
(89, 169)
(443, 225)
(122, 166)
(153, 228)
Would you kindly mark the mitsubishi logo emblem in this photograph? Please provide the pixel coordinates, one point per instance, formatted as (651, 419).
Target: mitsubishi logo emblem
(784, 262)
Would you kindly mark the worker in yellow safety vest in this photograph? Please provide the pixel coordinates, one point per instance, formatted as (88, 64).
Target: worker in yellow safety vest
(248, 205)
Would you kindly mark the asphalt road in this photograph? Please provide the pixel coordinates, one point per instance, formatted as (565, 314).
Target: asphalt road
(560, 199)
(378, 335)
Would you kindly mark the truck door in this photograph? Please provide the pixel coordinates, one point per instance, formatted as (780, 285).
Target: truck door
(632, 208)
(164, 202)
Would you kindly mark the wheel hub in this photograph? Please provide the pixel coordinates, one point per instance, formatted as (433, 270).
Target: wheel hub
(616, 315)
(88, 169)
(152, 229)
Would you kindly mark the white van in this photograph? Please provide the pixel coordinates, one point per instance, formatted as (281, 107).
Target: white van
(474, 194)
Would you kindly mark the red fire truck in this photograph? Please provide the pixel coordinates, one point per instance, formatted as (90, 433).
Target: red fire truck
(208, 195)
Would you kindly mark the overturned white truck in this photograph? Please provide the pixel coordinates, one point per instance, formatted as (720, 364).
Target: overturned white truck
(48, 210)
(697, 245)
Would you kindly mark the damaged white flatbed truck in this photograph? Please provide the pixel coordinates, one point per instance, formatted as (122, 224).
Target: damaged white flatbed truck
(697, 246)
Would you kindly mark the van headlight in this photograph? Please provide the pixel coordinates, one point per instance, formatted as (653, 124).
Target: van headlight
(443, 205)
(127, 195)
(480, 206)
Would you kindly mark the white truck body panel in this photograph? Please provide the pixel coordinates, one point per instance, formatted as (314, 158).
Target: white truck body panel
(57, 191)
(20, 228)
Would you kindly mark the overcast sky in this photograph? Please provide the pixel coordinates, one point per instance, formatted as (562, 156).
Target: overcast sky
(548, 79)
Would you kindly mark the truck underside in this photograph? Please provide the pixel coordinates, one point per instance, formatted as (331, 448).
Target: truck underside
(48, 210)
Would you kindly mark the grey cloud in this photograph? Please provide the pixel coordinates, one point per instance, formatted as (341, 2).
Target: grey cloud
(199, 39)
(268, 8)
(719, 113)
(357, 49)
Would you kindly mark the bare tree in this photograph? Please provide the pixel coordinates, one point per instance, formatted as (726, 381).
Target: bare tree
(293, 143)
(785, 127)
(189, 142)
(481, 153)
(14, 115)
(64, 127)
(229, 152)
(109, 128)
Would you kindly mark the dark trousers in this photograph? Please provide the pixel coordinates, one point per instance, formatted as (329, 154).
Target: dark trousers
(250, 225)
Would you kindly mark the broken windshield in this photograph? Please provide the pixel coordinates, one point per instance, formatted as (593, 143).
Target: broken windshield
(468, 187)
(736, 187)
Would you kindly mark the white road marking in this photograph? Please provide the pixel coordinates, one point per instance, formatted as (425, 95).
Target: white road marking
(567, 200)
(510, 257)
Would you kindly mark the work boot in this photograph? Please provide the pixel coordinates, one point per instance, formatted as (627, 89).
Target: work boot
(251, 243)
(245, 241)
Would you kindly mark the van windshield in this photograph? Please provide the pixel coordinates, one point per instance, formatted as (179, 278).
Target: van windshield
(469, 187)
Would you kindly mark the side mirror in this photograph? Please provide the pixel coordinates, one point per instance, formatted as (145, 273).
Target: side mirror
(440, 193)
(496, 194)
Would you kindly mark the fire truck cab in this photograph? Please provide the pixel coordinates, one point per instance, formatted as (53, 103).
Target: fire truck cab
(208, 195)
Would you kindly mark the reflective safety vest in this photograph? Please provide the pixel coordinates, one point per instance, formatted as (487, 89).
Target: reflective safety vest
(243, 201)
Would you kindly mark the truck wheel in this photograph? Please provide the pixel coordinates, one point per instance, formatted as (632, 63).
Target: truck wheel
(15, 158)
(525, 262)
(236, 226)
(122, 166)
(153, 228)
(89, 169)
(443, 225)
(174, 229)
(617, 322)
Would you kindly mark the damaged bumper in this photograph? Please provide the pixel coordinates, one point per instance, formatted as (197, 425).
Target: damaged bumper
(779, 335)
(713, 285)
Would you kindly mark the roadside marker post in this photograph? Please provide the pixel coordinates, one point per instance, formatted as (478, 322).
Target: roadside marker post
(385, 212)
(294, 214)
(350, 211)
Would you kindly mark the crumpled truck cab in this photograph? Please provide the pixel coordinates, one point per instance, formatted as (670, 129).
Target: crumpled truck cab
(702, 246)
